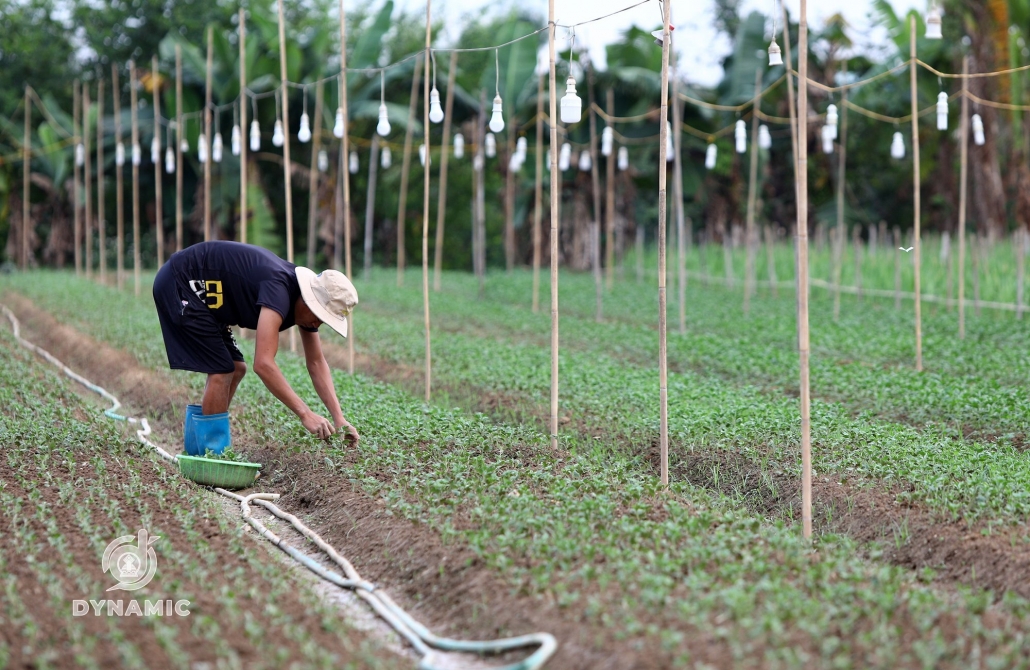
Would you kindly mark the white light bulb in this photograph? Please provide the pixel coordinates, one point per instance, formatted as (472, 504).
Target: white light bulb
(571, 104)
(255, 135)
(565, 157)
(515, 162)
(422, 154)
(933, 24)
(670, 147)
(831, 121)
(623, 158)
(978, 130)
(304, 134)
(202, 149)
(711, 153)
(764, 138)
(338, 128)
(137, 154)
(277, 134)
(585, 163)
(119, 154)
(521, 145)
(459, 145)
(155, 150)
(740, 136)
(169, 160)
(385, 158)
(323, 160)
(497, 119)
(216, 148)
(184, 145)
(775, 56)
(827, 137)
(607, 138)
(898, 147)
(942, 111)
(383, 127)
(234, 140)
(490, 145)
(435, 110)
(354, 165)
(80, 154)
(477, 163)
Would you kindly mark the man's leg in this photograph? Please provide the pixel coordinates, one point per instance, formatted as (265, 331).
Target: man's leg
(217, 393)
(237, 377)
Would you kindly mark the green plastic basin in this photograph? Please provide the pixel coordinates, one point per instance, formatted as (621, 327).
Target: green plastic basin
(215, 472)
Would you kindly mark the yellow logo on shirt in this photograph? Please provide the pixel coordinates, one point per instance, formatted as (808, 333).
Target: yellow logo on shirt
(208, 290)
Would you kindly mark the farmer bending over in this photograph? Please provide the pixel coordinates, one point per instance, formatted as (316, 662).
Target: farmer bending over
(203, 290)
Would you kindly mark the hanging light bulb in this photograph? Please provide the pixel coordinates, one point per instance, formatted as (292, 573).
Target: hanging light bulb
(623, 159)
(255, 135)
(933, 23)
(216, 148)
(898, 147)
(764, 138)
(422, 154)
(234, 140)
(202, 149)
(827, 136)
(831, 121)
(607, 137)
(585, 162)
(354, 165)
(477, 162)
(515, 162)
(775, 56)
(740, 136)
(277, 134)
(942, 111)
(670, 147)
(383, 127)
(338, 128)
(459, 145)
(711, 153)
(323, 160)
(521, 145)
(80, 154)
(497, 119)
(571, 104)
(119, 154)
(304, 134)
(978, 130)
(137, 154)
(155, 150)
(490, 145)
(565, 157)
(435, 110)
(385, 158)
(169, 160)
(184, 145)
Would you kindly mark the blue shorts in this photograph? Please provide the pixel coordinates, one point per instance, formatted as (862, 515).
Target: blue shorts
(194, 339)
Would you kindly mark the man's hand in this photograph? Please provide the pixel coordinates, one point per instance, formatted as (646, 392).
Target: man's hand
(351, 434)
(317, 425)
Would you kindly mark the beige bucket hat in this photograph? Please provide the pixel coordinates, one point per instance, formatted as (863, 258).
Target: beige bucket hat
(330, 295)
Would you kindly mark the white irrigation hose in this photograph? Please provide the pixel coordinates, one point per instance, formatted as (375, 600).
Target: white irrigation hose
(420, 637)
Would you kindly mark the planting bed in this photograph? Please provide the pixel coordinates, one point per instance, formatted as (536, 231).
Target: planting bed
(462, 508)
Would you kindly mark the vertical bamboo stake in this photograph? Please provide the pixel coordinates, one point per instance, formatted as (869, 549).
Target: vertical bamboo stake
(509, 202)
(316, 144)
(136, 256)
(609, 189)
(402, 201)
(480, 202)
(476, 163)
(76, 212)
(856, 241)
(677, 196)
(948, 259)
(553, 120)
(87, 230)
(119, 182)
(370, 203)
(963, 186)
(595, 185)
(180, 132)
(425, 201)
(445, 153)
(803, 341)
(101, 190)
(159, 228)
(915, 193)
(206, 139)
(838, 252)
(841, 178)
(288, 167)
(26, 174)
(663, 362)
(979, 242)
(751, 235)
(243, 127)
(897, 269)
(771, 259)
(538, 188)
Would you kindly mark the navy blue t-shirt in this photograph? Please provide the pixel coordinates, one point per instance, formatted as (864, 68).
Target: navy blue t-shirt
(236, 280)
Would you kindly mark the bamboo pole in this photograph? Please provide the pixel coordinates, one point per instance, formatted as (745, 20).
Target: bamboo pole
(101, 189)
(316, 145)
(979, 242)
(426, 174)
(750, 234)
(837, 253)
(595, 186)
(897, 269)
(553, 120)
(480, 202)
(445, 154)
(770, 243)
(87, 231)
(948, 259)
(677, 195)
(538, 189)
(26, 175)
(243, 126)
(792, 114)
(180, 133)
(663, 362)
(477, 164)
(402, 200)
(802, 233)
(159, 228)
(856, 242)
(609, 189)
(119, 181)
(370, 204)
(137, 259)
(509, 201)
(206, 139)
(963, 187)
(288, 167)
(76, 173)
(841, 178)
(916, 200)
